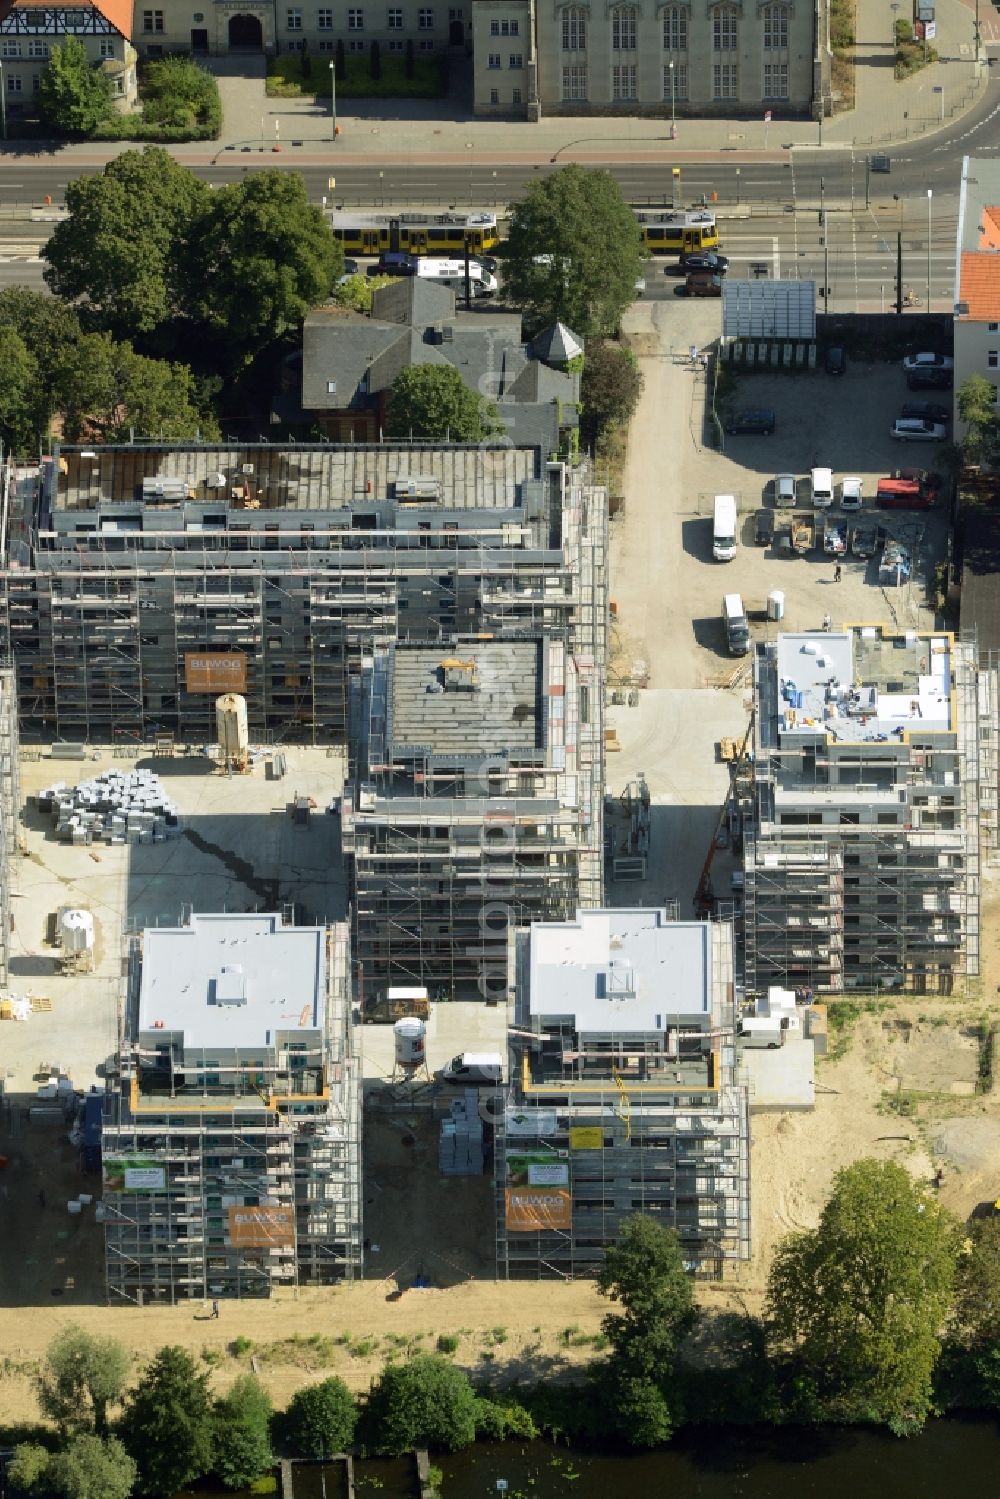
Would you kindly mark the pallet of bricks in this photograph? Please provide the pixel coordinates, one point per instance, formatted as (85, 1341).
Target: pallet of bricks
(116, 807)
(460, 1148)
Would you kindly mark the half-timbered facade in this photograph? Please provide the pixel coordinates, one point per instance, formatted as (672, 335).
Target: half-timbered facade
(29, 30)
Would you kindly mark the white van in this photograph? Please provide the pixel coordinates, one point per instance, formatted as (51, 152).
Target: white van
(473, 1068)
(762, 1030)
(821, 483)
(734, 617)
(724, 528)
(822, 487)
(452, 273)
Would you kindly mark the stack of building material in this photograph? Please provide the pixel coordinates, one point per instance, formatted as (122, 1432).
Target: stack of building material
(460, 1150)
(118, 806)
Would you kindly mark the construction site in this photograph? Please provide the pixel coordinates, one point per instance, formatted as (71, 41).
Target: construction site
(232, 1138)
(624, 1095)
(862, 852)
(145, 580)
(476, 808)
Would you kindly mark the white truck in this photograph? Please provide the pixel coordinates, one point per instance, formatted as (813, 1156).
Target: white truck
(821, 485)
(762, 1030)
(452, 273)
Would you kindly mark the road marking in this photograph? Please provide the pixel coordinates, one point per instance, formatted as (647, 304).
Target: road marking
(776, 254)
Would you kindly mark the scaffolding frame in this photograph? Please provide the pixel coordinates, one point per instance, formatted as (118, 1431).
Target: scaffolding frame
(674, 1125)
(849, 904)
(287, 1135)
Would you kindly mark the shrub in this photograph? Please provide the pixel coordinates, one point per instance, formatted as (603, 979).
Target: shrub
(321, 1419)
(447, 1342)
(425, 1403)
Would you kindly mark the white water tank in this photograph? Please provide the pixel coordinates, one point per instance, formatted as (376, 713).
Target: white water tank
(231, 726)
(408, 1036)
(776, 604)
(76, 931)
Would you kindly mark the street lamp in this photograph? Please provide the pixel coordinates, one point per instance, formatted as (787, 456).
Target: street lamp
(930, 199)
(333, 101)
(673, 103)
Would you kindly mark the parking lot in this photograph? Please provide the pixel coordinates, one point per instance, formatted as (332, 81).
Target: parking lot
(668, 591)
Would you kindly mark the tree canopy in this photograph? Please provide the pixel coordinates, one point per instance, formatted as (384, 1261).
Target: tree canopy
(862, 1298)
(609, 388)
(167, 1423)
(261, 255)
(107, 392)
(74, 96)
(88, 1467)
(426, 1402)
(22, 415)
(320, 1419)
(81, 1377)
(977, 1297)
(242, 1432)
(431, 401)
(574, 252)
(976, 403)
(117, 251)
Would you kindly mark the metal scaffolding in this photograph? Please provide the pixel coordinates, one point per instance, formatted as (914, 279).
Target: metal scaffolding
(862, 855)
(178, 1154)
(653, 1122)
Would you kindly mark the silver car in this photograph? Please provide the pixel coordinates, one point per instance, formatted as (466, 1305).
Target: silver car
(913, 429)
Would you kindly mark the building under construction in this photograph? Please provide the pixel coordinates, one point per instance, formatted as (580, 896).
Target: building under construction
(232, 1160)
(475, 808)
(623, 1094)
(862, 851)
(10, 806)
(144, 580)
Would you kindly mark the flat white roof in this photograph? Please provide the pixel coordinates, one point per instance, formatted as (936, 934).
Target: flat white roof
(823, 685)
(231, 982)
(621, 970)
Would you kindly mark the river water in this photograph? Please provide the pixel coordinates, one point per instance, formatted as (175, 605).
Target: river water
(951, 1459)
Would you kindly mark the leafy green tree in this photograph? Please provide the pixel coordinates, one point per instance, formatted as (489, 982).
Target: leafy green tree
(243, 1433)
(90, 1468)
(107, 391)
(432, 401)
(320, 1419)
(26, 1469)
(977, 1291)
(81, 1377)
(426, 1402)
(356, 291)
(259, 258)
(644, 1273)
(579, 226)
(22, 417)
(116, 252)
(610, 388)
(179, 92)
(976, 409)
(862, 1298)
(167, 1423)
(74, 97)
(500, 1420)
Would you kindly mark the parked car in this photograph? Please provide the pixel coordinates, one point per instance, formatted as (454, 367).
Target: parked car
(912, 429)
(835, 362)
(758, 422)
(926, 411)
(703, 284)
(705, 260)
(851, 494)
(929, 379)
(785, 490)
(927, 362)
(763, 527)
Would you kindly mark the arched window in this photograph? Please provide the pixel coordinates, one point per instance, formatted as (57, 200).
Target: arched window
(725, 26)
(675, 29)
(574, 29)
(775, 28)
(624, 24)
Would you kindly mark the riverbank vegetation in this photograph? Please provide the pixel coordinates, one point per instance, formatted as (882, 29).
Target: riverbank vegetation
(885, 1313)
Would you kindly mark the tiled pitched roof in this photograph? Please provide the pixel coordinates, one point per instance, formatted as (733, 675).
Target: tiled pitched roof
(979, 285)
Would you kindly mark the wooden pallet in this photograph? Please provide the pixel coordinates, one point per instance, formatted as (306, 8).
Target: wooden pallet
(40, 1005)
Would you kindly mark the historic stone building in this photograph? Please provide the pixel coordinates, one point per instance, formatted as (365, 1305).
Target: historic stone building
(664, 57)
(28, 32)
(224, 26)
